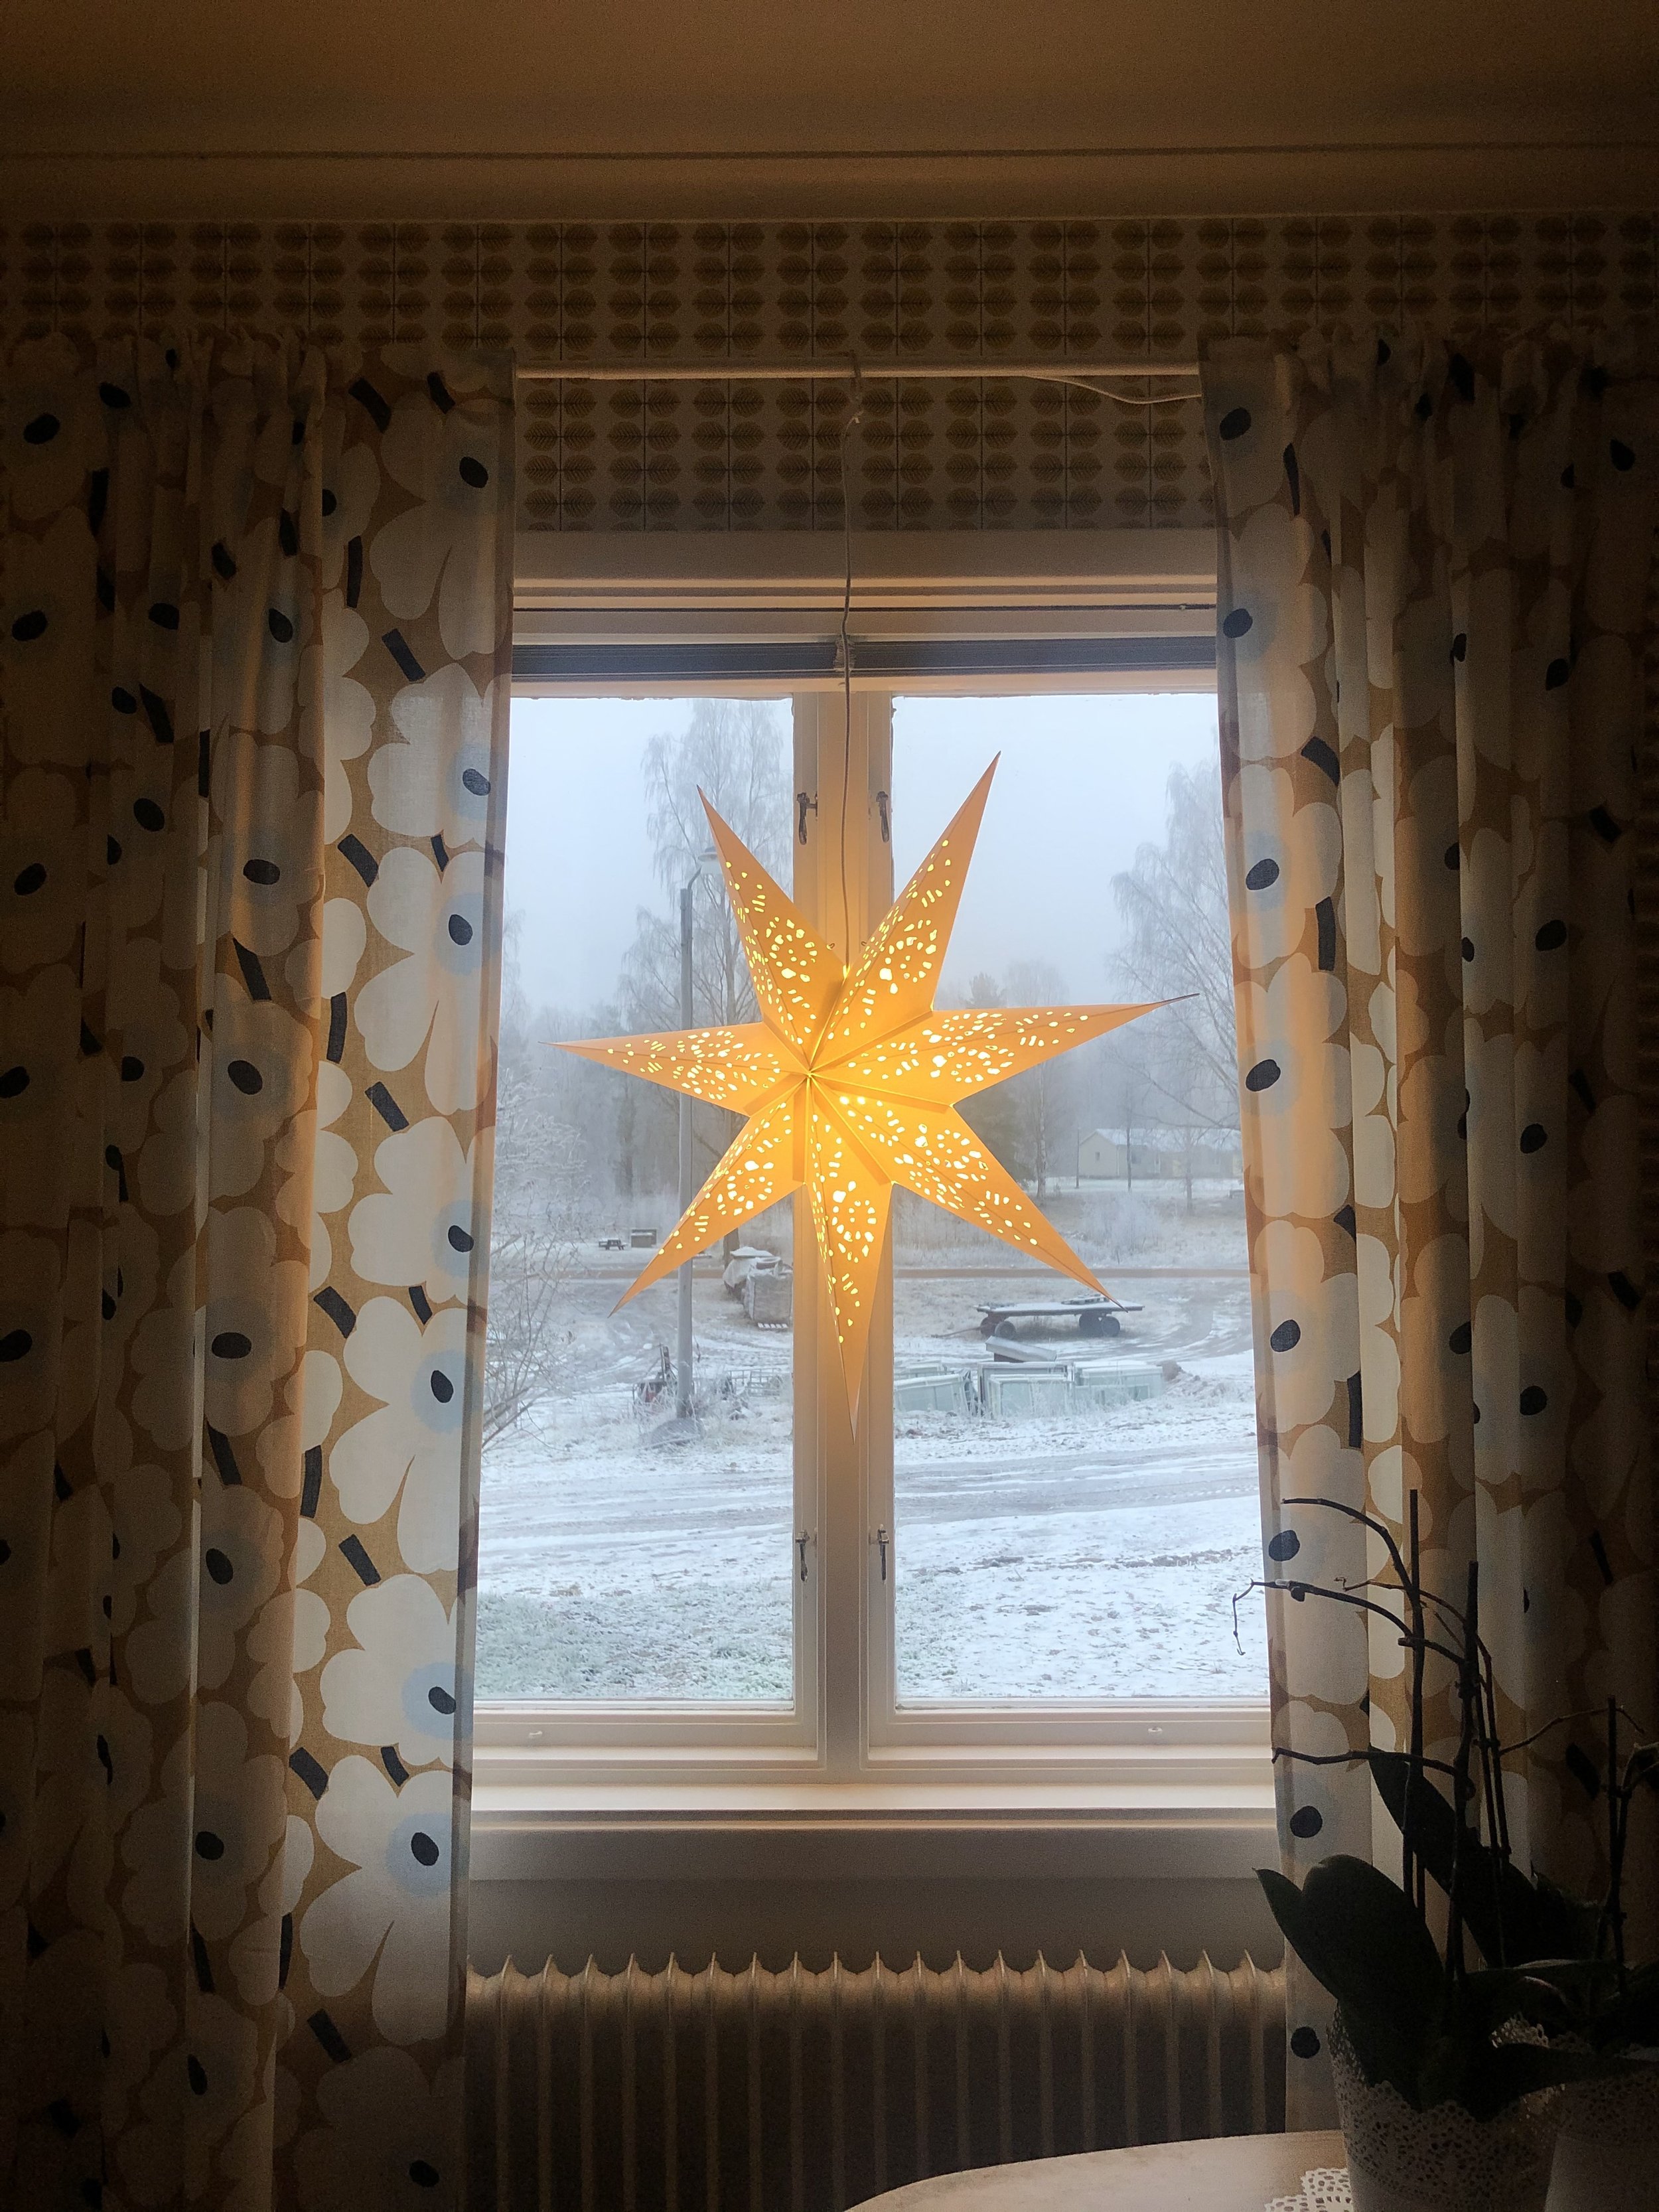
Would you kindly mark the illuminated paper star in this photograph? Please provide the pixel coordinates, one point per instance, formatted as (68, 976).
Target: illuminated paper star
(850, 1081)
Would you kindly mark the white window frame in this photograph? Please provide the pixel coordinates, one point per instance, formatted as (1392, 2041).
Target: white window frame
(845, 1739)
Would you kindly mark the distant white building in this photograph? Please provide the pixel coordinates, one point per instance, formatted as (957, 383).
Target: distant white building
(1160, 1156)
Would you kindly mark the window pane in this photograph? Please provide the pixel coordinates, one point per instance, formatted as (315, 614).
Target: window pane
(628, 1550)
(1076, 1489)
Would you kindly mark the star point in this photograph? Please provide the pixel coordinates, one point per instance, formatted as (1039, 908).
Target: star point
(850, 1081)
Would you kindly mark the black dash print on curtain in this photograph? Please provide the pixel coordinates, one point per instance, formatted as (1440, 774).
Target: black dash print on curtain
(386, 1106)
(1584, 1769)
(314, 1776)
(397, 646)
(329, 1300)
(253, 974)
(330, 2036)
(351, 1549)
(1325, 915)
(157, 715)
(224, 1457)
(353, 849)
(371, 404)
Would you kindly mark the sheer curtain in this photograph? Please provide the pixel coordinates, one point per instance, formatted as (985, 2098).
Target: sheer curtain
(1434, 570)
(255, 624)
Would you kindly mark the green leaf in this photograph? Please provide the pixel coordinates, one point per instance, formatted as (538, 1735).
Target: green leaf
(1512, 1919)
(1383, 2054)
(1633, 2018)
(1297, 1927)
(1361, 1937)
(1552, 1995)
(1374, 1938)
(1563, 1926)
(1500, 2075)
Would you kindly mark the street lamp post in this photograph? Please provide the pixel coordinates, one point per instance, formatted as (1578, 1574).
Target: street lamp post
(683, 1393)
(683, 1362)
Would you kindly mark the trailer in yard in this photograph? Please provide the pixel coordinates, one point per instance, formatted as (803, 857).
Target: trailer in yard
(1093, 1317)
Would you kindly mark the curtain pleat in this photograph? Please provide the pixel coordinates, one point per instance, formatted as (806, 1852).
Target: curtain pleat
(254, 640)
(1434, 611)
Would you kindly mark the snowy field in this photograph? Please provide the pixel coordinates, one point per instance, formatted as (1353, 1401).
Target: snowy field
(1090, 1556)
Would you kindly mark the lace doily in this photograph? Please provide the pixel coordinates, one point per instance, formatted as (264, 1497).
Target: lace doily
(1325, 2189)
(1443, 2156)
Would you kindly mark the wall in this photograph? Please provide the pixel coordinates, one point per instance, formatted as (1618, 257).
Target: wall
(733, 456)
(654, 1918)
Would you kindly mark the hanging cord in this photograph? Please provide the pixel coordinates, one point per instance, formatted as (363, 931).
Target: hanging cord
(854, 416)
(1120, 398)
(850, 421)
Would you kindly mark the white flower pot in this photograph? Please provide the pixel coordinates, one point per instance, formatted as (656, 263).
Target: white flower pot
(1606, 2155)
(1443, 2160)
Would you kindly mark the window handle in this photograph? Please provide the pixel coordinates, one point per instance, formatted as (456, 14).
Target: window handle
(883, 807)
(806, 803)
(801, 1542)
(880, 1539)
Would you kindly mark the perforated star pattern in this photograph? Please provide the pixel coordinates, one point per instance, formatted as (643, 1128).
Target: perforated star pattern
(851, 1079)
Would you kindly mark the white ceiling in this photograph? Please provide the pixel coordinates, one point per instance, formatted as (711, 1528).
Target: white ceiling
(518, 107)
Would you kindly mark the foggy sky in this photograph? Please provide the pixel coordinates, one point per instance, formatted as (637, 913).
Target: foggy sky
(1080, 785)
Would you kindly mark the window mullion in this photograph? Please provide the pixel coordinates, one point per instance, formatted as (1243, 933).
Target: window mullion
(843, 885)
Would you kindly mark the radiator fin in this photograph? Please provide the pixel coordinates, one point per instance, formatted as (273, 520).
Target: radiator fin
(807, 2092)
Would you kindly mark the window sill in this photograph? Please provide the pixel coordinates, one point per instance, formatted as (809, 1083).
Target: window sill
(804, 1828)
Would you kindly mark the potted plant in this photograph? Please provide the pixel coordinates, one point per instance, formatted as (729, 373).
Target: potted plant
(1444, 2102)
(1607, 2153)
(1450, 2076)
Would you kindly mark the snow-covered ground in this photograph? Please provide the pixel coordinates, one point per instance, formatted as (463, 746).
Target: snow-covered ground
(1090, 1555)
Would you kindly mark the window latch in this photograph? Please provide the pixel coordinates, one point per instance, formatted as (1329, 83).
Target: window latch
(801, 1542)
(879, 1538)
(806, 803)
(883, 807)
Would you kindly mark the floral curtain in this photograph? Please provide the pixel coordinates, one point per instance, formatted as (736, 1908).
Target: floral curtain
(254, 628)
(1433, 586)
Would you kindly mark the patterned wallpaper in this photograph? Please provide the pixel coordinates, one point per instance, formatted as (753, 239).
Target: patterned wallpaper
(731, 455)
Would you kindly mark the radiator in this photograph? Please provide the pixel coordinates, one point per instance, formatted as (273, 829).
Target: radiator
(805, 2092)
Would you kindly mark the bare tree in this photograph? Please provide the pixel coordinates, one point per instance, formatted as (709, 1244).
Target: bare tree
(1029, 1121)
(737, 753)
(536, 1220)
(1129, 1089)
(1174, 904)
(1045, 1095)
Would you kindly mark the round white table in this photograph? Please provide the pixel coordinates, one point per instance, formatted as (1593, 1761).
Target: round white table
(1232, 2173)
